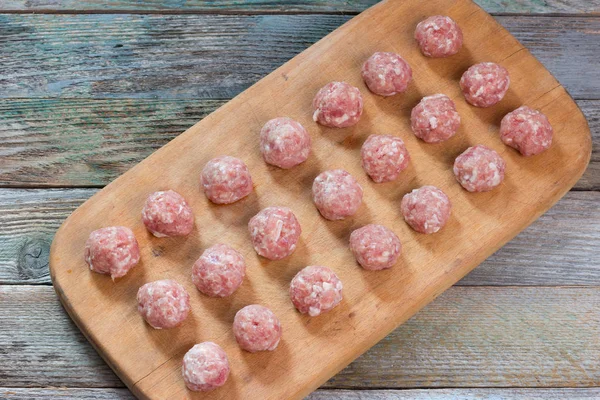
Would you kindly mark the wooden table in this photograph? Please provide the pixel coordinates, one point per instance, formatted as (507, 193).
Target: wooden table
(88, 88)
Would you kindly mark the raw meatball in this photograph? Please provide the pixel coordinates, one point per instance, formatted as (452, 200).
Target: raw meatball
(434, 119)
(485, 84)
(337, 105)
(163, 304)
(219, 271)
(256, 328)
(375, 247)
(527, 130)
(479, 169)
(336, 194)
(112, 250)
(439, 36)
(205, 367)
(167, 214)
(284, 142)
(384, 157)
(226, 179)
(315, 289)
(275, 232)
(426, 209)
(386, 74)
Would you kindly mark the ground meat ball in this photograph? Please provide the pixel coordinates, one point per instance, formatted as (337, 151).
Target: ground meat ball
(337, 105)
(256, 328)
(384, 157)
(485, 84)
(219, 271)
(163, 304)
(434, 119)
(205, 367)
(112, 250)
(439, 36)
(167, 214)
(386, 74)
(274, 232)
(336, 194)
(226, 179)
(479, 169)
(527, 130)
(426, 209)
(284, 142)
(315, 290)
(375, 247)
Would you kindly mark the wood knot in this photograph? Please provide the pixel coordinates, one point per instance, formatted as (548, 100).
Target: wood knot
(32, 262)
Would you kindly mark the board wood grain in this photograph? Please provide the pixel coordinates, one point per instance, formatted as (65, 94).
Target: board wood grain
(314, 349)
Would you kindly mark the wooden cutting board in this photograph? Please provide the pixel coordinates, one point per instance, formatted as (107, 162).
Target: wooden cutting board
(314, 349)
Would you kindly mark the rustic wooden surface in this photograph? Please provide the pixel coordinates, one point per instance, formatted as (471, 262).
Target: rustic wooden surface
(313, 350)
(111, 132)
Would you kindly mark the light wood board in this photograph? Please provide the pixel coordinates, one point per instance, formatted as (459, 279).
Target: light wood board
(314, 349)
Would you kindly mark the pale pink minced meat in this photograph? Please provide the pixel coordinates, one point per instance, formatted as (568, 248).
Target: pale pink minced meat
(375, 247)
(205, 367)
(219, 271)
(485, 84)
(226, 180)
(426, 209)
(384, 157)
(386, 74)
(336, 194)
(439, 36)
(164, 304)
(112, 250)
(284, 142)
(434, 119)
(274, 232)
(526, 130)
(479, 169)
(256, 328)
(167, 214)
(315, 289)
(337, 105)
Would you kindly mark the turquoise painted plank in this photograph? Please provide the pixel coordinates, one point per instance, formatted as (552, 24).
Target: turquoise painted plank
(346, 6)
(218, 56)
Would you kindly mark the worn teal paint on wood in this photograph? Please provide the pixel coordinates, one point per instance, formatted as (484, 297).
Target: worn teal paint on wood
(216, 56)
(85, 142)
(346, 6)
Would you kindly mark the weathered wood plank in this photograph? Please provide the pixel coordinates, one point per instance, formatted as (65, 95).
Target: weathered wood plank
(462, 394)
(338, 6)
(217, 56)
(469, 337)
(77, 142)
(328, 394)
(11, 393)
(558, 249)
